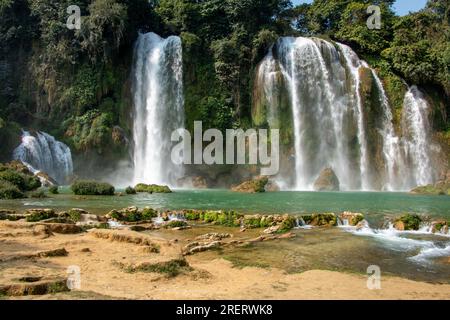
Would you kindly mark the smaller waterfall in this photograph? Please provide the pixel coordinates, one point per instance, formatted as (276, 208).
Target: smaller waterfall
(416, 132)
(43, 152)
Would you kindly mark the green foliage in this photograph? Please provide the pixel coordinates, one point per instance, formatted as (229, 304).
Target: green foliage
(53, 190)
(176, 224)
(40, 215)
(410, 221)
(25, 182)
(287, 225)
(130, 190)
(87, 187)
(10, 191)
(149, 213)
(420, 49)
(152, 188)
(38, 194)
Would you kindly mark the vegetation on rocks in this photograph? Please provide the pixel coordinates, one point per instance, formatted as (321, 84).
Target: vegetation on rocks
(408, 222)
(152, 188)
(88, 187)
(33, 215)
(252, 186)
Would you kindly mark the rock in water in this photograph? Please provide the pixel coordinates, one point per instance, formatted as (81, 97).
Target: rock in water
(252, 186)
(327, 181)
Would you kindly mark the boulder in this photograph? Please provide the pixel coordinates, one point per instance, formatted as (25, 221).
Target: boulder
(33, 215)
(252, 186)
(272, 186)
(45, 179)
(352, 218)
(327, 181)
(200, 247)
(64, 228)
(440, 226)
(407, 222)
(42, 231)
(271, 230)
(213, 236)
(321, 219)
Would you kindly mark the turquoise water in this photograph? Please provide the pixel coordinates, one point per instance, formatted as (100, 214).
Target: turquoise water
(416, 255)
(373, 204)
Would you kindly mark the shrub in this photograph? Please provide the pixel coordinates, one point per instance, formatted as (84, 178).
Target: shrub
(53, 190)
(176, 224)
(130, 190)
(87, 187)
(149, 213)
(38, 194)
(9, 191)
(21, 180)
(152, 188)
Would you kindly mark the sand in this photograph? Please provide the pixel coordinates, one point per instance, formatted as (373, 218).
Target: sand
(101, 255)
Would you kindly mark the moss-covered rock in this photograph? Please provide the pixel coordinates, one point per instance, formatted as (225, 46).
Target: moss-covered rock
(320, 219)
(88, 187)
(152, 188)
(132, 214)
(33, 215)
(252, 186)
(176, 224)
(352, 218)
(407, 222)
(440, 188)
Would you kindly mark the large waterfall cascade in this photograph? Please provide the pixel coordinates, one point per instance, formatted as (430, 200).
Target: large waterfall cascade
(42, 152)
(323, 83)
(158, 107)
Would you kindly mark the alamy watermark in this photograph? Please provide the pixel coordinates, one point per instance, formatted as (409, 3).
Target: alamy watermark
(74, 20)
(74, 277)
(237, 141)
(374, 21)
(374, 279)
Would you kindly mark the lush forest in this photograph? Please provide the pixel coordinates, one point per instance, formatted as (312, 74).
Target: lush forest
(75, 84)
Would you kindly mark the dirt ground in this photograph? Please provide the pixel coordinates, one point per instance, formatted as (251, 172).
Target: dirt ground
(123, 264)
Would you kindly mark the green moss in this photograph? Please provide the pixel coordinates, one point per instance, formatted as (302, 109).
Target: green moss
(74, 215)
(287, 225)
(40, 215)
(149, 213)
(192, 215)
(410, 221)
(176, 224)
(152, 188)
(170, 268)
(88, 187)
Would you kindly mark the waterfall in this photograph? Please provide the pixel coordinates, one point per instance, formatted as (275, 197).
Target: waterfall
(391, 150)
(330, 117)
(416, 132)
(42, 152)
(158, 107)
(322, 108)
(353, 64)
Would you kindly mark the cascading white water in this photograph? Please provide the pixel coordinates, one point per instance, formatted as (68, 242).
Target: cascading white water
(158, 107)
(322, 107)
(354, 64)
(42, 152)
(391, 149)
(416, 132)
(329, 118)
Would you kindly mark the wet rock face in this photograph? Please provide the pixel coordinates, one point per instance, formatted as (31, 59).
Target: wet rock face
(327, 181)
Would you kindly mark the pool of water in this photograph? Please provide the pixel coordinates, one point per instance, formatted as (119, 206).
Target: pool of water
(372, 204)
